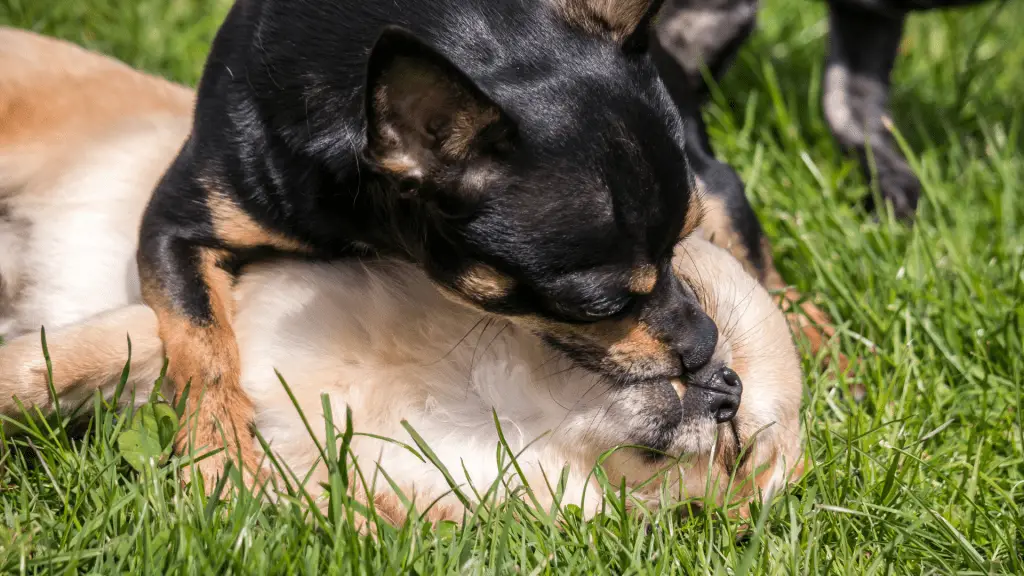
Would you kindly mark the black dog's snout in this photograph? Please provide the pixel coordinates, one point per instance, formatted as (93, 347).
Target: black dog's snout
(716, 395)
(696, 344)
(675, 314)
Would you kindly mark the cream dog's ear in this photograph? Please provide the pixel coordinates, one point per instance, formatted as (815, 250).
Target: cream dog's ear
(755, 341)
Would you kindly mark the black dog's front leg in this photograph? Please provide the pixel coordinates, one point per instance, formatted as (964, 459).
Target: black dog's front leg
(862, 49)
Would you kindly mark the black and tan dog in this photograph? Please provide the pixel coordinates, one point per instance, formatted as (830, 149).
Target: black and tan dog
(83, 142)
(523, 153)
(864, 36)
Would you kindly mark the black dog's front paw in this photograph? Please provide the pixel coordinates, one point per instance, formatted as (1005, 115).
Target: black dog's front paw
(897, 184)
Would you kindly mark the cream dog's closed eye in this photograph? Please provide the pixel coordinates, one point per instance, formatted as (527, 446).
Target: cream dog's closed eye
(376, 337)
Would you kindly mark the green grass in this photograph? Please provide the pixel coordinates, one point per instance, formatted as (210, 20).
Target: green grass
(925, 476)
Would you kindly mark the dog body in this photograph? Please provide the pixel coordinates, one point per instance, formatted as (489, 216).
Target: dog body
(523, 153)
(864, 37)
(51, 141)
(378, 336)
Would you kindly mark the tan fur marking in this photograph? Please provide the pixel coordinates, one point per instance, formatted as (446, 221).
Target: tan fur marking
(482, 282)
(391, 510)
(679, 387)
(718, 228)
(389, 507)
(638, 343)
(236, 228)
(400, 164)
(626, 342)
(643, 279)
(696, 211)
(615, 19)
(219, 413)
(443, 513)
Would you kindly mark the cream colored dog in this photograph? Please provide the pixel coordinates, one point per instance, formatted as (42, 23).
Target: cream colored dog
(83, 140)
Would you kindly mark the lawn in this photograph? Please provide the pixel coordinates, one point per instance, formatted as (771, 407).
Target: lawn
(925, 475)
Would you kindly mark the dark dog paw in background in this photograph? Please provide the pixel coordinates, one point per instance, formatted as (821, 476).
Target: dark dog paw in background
(863, 43)
(897, 183)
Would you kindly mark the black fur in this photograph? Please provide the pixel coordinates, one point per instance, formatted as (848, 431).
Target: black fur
(864, 36)
(576, 179)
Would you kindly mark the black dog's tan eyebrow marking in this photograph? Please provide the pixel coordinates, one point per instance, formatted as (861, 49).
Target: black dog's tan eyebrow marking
(643, 279)
(483, 283)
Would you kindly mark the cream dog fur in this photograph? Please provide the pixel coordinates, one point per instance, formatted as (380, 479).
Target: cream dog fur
(83, 140)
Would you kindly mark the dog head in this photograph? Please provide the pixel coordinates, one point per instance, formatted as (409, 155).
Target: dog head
(754, 374)
(552, 194)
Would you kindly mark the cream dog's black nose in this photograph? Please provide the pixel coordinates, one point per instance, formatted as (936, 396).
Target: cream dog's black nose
(727, 402)
(717, 395)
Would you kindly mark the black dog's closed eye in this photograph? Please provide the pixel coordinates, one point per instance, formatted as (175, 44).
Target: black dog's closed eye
(593, 311)
(602, 299)
(590, 296)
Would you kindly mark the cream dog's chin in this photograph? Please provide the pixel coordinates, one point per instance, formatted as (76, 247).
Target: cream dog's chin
(376, 337)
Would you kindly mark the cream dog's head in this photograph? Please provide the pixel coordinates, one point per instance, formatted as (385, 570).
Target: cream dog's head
(381, 339)
(760, 448)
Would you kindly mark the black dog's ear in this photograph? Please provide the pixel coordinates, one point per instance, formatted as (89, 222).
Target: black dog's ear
(422, 111)
(627, 22)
